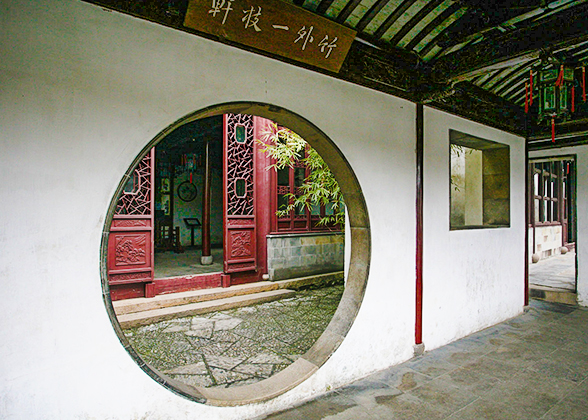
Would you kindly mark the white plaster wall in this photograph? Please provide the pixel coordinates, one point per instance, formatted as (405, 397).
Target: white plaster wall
(82, 91)
(581, 153)
(471, 278)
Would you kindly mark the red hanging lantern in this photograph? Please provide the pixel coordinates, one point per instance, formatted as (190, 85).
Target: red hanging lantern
(584, 83)
(526, 98)
(555, 90)
(531, 86)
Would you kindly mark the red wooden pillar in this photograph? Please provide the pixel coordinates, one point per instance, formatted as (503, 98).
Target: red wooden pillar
(263, 197)
(206, 258)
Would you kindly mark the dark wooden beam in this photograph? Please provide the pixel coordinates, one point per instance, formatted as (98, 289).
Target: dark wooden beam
(515, 47)
(472, 102)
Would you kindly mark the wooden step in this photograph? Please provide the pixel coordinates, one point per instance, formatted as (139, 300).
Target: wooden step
(147, 317)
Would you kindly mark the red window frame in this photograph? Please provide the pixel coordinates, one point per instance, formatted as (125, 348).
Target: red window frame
(303, 220)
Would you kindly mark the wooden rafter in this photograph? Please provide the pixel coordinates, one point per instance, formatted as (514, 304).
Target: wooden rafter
(515, 47)
(400, 10)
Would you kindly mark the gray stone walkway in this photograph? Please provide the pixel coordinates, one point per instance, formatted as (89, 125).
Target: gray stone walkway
(238, 346)
(557, 272)
(534, 366)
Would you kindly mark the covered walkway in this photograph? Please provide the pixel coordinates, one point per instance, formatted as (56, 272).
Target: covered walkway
(534, 366)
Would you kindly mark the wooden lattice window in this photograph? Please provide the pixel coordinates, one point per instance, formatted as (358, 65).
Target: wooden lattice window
(289, 180)
(547, 191)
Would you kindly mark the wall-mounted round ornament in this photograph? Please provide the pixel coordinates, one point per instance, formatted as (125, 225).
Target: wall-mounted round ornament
(187, 191)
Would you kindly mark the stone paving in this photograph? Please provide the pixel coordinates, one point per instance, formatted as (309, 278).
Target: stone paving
(557, 272)
(238, 346)
(534, 366)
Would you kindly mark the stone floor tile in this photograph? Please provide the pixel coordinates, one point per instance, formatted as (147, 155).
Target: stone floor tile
(408, 406)
(567, 410)
(521, 353)
(223, 362)
(366, 391)
(530, 392)
(432, 364)
(255, 369)
(328, 405)
(495, 368)
(401, 377)
(198, 368)
(470, 380)
(486, 410)
(548, 335)
(444, 396)
(224, 378)
(267, 357)
(569, 370)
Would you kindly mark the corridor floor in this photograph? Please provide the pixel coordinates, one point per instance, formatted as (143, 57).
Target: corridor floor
(557, 272)
(534, 366)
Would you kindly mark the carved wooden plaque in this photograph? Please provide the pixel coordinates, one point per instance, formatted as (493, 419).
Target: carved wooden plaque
(276, 27)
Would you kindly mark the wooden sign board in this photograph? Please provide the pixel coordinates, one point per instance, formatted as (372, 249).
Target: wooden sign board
(274, 26)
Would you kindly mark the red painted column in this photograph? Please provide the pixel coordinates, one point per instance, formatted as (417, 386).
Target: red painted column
(264, 192)
(418, 335)
(527, 221)
(206, 258)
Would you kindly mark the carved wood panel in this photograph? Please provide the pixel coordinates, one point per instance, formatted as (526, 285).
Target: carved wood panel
(130, 242)
(239, 195)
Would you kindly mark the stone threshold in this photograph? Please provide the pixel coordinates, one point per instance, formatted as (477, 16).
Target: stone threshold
(553, 294)
(143, 311)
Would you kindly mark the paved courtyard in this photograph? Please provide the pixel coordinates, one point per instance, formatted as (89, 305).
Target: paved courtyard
(557, 272)
(238, 346)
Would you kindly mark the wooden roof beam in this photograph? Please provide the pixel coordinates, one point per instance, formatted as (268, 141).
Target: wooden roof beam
(514, 48)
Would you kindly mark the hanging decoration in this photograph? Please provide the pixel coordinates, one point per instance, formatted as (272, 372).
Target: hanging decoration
(527, 102)
(531, 87)
(584, 83)
(556, 93)
(189, 163)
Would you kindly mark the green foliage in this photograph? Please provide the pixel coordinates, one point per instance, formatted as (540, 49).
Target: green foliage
(320, 187)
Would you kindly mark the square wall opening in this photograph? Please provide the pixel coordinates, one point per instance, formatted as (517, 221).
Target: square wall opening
(479, 182)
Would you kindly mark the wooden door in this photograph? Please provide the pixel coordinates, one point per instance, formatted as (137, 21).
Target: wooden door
(239, 240)
(130, 241)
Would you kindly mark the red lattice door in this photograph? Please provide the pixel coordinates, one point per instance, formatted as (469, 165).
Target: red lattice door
(130, 242)
(240, 252)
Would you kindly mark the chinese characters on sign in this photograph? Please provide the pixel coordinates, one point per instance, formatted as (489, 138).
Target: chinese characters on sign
(274, 26)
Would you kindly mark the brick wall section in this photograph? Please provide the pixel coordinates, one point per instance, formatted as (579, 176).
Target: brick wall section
(305, 254)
